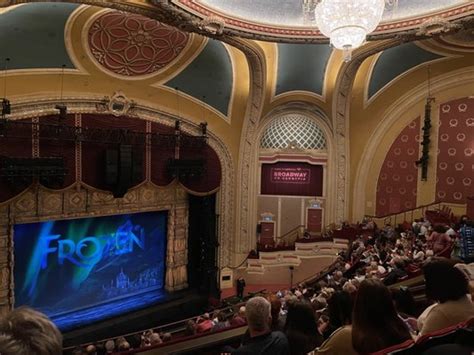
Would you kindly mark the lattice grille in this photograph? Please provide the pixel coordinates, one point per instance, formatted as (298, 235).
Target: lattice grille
(293, 129)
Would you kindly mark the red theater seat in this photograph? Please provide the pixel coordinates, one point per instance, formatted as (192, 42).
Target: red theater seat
(403, 348)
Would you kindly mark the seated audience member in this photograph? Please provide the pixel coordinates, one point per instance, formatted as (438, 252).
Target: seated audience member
(439, 240)
(261, 339)
(448, 286)
(190, 328)
(123, 346)
(239, 318)
(134, 341)
(155, 339)
(301, 328)
(340, 312)
(91, 349)
(278, 320)
(339, 330)
(221, 323)
(375, 322)
(24, 331)
(109, 346)
(397, 273)
(203, 324)
(405, 306)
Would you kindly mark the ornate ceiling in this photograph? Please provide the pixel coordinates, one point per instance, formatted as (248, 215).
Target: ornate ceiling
(283, 19)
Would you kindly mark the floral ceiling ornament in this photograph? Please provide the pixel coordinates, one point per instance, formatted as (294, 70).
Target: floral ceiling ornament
(134, 45)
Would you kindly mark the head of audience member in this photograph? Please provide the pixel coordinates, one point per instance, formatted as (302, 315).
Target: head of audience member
(275, 304)
(190, 327)
(301, 328)
(91, 349)
(444, 282)
(340, 310)
(24, 331)
(242, 311)
(259, 318)
(167, 337)
(134, 341)
(109, 346)
(155, 339)
(123, 346)
(375, 322)
(404, 301)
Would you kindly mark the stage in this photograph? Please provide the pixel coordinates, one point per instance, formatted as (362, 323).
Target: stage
(170, 307)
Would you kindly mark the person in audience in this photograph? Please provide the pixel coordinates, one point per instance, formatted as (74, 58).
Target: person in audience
(339, 312)
(438, 239)
(448, 286)
(134, 341)
(301, 328)
(124, 346)
(190, 328)
(261, 339)
(375, 322)
(204, 323)
(167, 337)
(239, 318)
(278, 320)
(24, 331)
(221, 323)
(155, 339)
(397, 273)
(109, 346)
(405, 305)
(91, 349)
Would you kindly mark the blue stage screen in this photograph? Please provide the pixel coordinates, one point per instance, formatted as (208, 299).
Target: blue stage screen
(83, 270)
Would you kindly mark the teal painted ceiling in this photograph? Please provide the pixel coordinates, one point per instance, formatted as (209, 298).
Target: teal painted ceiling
(32, 36)
(302, 67)
(394, 62)
(208, 78)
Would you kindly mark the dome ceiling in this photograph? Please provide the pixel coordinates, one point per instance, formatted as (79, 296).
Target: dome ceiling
(284, 18)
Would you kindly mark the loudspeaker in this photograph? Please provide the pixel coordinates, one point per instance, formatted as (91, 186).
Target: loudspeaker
(123, 169)
(111, 166)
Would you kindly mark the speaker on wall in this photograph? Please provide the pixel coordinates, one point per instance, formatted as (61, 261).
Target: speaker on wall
(123, 169)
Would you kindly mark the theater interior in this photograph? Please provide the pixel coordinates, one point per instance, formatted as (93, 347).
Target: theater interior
(162, 160)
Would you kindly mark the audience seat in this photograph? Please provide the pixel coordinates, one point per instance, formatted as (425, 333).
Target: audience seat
(405, 348)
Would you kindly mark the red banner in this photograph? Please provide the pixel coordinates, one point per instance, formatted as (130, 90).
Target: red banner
(292, 179)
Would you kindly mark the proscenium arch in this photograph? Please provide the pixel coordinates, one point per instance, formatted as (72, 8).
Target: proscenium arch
(27, 107)
(321, 119)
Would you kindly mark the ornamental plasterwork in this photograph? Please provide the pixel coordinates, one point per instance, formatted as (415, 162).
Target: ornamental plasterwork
(82, 105)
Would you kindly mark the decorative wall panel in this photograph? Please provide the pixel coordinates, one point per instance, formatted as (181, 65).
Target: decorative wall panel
(455, 170)
(397, 183)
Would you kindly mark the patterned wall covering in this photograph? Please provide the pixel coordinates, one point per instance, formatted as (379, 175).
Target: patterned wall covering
(133, 45)
(389, 65)
(302, 67)
(32, 36)
(209, 77)
(397, 183)
(455, 171)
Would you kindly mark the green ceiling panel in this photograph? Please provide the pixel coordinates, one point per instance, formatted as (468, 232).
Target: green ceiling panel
(32, 36)
(396, 61)
(209, 77)
(302, 67)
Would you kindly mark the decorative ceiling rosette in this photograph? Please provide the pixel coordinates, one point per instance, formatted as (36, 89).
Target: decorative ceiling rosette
(132, 45)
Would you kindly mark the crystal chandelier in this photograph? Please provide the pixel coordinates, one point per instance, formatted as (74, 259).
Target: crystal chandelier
(347, 22)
